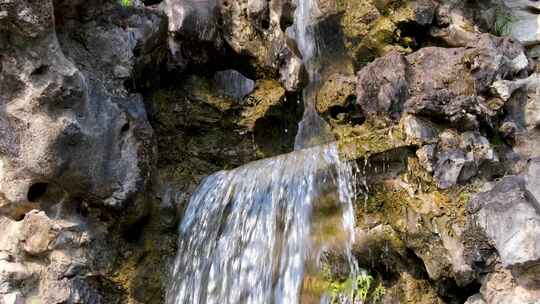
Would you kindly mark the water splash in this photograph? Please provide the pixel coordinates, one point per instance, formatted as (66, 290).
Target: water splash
(247, 233)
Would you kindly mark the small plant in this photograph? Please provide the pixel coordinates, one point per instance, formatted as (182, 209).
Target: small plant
(378, 294)
(503, 22)
(126, 3)
(356, 290)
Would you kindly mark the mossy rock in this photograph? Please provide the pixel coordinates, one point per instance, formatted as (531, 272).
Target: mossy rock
(372, 28)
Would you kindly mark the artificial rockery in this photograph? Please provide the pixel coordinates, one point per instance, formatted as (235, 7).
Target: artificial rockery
(112, 112)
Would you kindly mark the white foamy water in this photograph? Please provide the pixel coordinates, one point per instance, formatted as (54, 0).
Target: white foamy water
(246, 233)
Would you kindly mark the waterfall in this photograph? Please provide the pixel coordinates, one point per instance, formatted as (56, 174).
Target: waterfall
(246, 234)
(249, 234)
(312, 130)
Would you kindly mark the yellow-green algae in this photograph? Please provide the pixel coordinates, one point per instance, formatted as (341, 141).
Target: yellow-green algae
(371, 27)
(389, 200)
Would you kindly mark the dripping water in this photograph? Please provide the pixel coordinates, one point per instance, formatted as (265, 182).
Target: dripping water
(321, 56)
(312, 130)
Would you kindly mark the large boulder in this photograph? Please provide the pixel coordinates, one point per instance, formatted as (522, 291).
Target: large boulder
(444, 84)
(506, 218)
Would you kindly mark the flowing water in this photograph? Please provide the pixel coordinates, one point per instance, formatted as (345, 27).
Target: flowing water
(312, 130)
(257, 233)
(246, 236)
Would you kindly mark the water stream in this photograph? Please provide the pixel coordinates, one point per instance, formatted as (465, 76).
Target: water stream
(312, 130)
(256, 233)
(246, 236)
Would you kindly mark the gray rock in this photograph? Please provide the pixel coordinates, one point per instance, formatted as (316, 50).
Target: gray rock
(37, 233)
(453, 167)
(419, 131)
(477, 147)
(69, 137)
(292, 74)
(382, 85)
(510, 216)
(426, 157)
(193, 19)
(476, 299)
(532, 175)
(523, 21)
(501, 286)
(459, 157)
(253, 28)
(443, 84)
(232, 84)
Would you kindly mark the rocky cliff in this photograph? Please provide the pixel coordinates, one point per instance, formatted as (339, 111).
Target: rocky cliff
(111, 112)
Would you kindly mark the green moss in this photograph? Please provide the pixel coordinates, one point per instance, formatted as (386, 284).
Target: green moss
(371, 28)
(360, 142)
(390, 200)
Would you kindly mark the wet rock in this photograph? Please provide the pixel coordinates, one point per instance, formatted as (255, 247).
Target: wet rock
(194, 19)
(292, 75)
(252, 28)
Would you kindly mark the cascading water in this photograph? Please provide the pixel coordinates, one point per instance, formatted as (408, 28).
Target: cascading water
(251, 235)
(246, 234)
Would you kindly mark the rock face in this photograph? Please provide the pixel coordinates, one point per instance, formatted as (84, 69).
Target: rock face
(252, 28)
(441, 98)
(111, 112)
(511, 203)
(509, 216)
(72, 139)
(66, 137)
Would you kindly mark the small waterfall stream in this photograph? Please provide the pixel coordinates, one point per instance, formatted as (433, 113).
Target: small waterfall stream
(253, 234)
(312, 130)
(246, 235)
